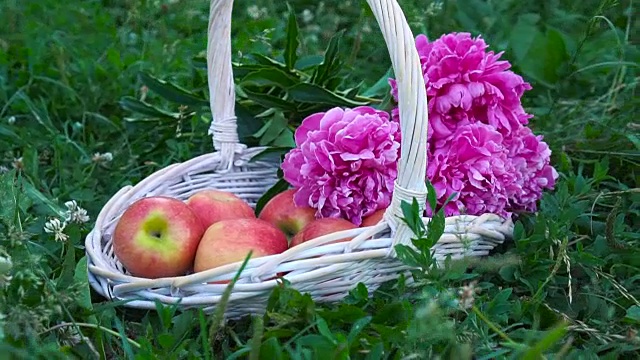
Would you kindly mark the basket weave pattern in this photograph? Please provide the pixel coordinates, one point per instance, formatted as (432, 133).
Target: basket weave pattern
(326, 271)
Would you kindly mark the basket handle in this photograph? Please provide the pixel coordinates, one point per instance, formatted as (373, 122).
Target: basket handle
(412, 99)
(222, 96)
(412, 105)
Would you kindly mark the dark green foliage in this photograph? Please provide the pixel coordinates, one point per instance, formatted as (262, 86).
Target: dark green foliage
(79, 78)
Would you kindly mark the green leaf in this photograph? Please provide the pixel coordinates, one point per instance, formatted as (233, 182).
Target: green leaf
(272, 129)
(39, 198)
(350, 93)
(357, 328)
(199, 62)
(280, 150)
(182, 324)
(633, 313)
(435, 228)
(285, 139)
(309, 61)
(311, 93)
(238, 354)
(81, 277)
(280, 186)
(256, 340)
(410, 215)
(357, 294)
(166, 341)
(544, 57)
(265, 60)
(68, 268)
(474, 15)
(270, 101)
(634, 140)
(523, 34)
(247, 125)
(508, 272)
(376, 352)
(500, 305)
(291, 47)
(123, 339)
(324, 330)
(144, 108)
(11, 201)
(432, 197)
(242, 70)
(381, 87)
(552, 337)
(518, 231)
(331, 62)
(495, 354)
(271, 349)
(171, 91)
(317, 342)
(269, 77)
(408, 256)
(218, 314)
(11, 135)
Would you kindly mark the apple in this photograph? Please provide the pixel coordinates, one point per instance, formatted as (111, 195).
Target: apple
(229, 241)
(322, 226)
(283, 213)
(373, 219)
(156, 237)
(212, 206)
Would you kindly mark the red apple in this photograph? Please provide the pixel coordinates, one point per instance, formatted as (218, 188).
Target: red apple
(229, 241)
(373, 219)
(283, 213)
(157, 237)
(322, 226)
(212, 206)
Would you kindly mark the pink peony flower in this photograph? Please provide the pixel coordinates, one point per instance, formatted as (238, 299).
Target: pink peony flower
(467, 83)
(479, 147)
(345, 162)
(474, 164)
(478, 144)
(530, 157)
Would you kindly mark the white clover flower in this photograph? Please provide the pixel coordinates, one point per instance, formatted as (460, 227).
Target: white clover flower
(71, 205)
(307, 16)
(467, 295)
(54, 226)
(5, 267)
(5, 263)
(3, 169)
(75, 213)
(106, 157)
(254, 12)
(17, 163)
(11, 120)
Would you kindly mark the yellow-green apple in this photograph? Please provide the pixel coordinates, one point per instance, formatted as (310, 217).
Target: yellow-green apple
(373, 219)
(156, 237)
(213, 205)
(282, 212)
(322, 226)
(229, 241)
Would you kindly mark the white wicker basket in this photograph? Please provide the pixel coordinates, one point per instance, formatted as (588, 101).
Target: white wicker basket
(326, 272)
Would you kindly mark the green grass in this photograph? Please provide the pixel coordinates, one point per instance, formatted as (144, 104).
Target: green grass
(567, 287)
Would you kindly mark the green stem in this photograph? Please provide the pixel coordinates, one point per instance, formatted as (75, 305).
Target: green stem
(93, 326)
(492, 326)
